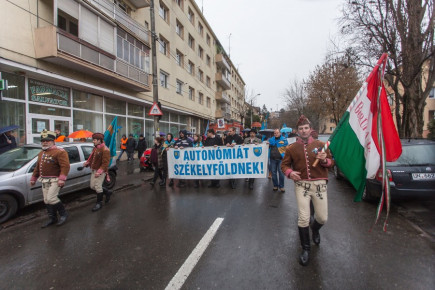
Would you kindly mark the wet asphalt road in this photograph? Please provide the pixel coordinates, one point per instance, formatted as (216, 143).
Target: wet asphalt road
(141, 239)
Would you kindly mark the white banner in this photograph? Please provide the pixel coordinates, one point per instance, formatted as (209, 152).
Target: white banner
(240, 161)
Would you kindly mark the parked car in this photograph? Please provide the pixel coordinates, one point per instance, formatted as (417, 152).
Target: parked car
(412, 175)
(16, 168)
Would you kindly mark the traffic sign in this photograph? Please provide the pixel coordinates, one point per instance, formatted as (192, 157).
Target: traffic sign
(155, 110)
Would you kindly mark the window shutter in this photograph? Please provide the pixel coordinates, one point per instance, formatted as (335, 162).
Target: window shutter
(70, 7)
(89, 26)
(106, 36)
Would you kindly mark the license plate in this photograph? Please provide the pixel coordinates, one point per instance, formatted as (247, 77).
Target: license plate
(423, 176)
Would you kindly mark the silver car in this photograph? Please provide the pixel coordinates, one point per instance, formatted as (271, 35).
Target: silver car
(16, 168)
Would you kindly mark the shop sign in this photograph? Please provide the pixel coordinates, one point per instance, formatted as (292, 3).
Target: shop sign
(46, 93)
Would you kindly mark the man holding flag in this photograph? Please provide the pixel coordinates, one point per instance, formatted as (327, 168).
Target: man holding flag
(366, 137)
(310, 183)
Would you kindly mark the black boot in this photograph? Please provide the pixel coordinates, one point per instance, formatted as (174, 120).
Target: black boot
(315, 227)
(107, 193)
(181, 183)
(99, 203)
(251, 183)
(304, 235)
(163, 182)
(171, 182)
(52, 216)
(196, 183)
(62, 213)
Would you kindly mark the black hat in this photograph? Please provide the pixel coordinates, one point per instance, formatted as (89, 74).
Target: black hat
(47, 135)
(253, 130)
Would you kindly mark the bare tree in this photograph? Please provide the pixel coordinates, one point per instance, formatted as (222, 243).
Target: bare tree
(244, 109)
(295, 96)
(331, 87)
(405, 30)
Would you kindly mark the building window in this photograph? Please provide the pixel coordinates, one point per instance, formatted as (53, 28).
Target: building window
(179, 57)
(207, 39)
(431, 115)
(132, 51)
(432, 93)
(191, 16)
(201, 75)
(191, 94)
(164, 46)
(179, 87)
(207, 81)
(179, 3)
(191, 42)
(191, 67)
(200, 29)
(67, 23)
(331, 129)
(208, 60)
(201, 98)
(164, 12)
(164, 79)
(179, 29)
(208, 102)
(200, 52)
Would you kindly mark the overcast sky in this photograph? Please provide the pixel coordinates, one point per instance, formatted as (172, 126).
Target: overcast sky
(273, 42)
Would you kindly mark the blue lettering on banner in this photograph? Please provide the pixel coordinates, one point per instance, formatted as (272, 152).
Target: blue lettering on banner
(255, 168)
(248, 168)
(233, 168)
(176, 169)
(242, 168)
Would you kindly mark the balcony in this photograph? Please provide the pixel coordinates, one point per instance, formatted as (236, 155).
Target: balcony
(222, 62)
(223, 81)
(71, 52)
(223, 97)
(114, 12)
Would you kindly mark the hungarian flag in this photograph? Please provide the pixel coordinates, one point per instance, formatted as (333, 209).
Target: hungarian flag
(366, 136)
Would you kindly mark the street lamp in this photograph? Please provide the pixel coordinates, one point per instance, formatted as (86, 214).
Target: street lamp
(251, 105)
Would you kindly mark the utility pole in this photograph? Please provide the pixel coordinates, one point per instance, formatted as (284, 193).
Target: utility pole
(154, 59)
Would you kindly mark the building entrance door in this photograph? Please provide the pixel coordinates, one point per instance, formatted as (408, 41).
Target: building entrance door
(36, 123)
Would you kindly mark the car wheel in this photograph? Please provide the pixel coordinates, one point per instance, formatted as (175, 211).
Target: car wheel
(8, 207)
(337, 173)
(111, 184)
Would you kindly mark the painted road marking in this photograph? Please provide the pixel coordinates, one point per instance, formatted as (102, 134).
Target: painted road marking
(185, 270)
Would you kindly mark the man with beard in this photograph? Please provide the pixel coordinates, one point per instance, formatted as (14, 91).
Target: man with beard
(99, 162)
(51, 170)
(310, 183)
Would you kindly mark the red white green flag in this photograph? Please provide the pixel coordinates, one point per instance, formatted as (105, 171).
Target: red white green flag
(366, 136)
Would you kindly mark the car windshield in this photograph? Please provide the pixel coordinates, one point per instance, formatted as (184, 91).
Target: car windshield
(16, 158)
(416, 155)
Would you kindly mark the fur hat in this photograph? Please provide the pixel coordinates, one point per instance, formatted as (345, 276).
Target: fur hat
(303, 121)
(98, 136)
(47, 135)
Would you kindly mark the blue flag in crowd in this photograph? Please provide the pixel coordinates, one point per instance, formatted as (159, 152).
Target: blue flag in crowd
(206, 129)
(110, 137)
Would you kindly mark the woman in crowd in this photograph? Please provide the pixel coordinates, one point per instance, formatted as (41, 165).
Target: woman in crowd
(156, 159)
(169, 142)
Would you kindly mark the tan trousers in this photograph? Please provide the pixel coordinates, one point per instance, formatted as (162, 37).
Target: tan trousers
(315, 191)
(97, 182)
(50, 190)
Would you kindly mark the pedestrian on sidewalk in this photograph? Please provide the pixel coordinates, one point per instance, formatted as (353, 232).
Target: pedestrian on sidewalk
(131, 146)
(277, 145)
(310, 183)
(51, 170)
(141, 146)
(123, 146)
(169, 143)
(99, 161)
(156, 159)
(213, 140)
(252, 139)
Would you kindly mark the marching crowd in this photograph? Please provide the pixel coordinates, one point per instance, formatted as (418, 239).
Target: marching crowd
(296, 161)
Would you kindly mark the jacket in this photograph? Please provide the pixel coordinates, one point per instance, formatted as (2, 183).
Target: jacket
(52, 163)
(4, 145)
(300, 157)
(141, 145)
(99, 159)
(124, 143)
(255, 140)
(236, 138)
(277, 146)
(131, 144)
(183, 142)
(197, 144)
(211, 141)
(156, 156)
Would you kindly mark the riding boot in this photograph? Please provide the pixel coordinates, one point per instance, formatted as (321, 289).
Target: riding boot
(304, 235)
(315, 227)
(99, 203)
(52, 216)
(62, 213)
(107, 193)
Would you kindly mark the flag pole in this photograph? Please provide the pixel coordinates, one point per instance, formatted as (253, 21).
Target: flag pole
(385, 196)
